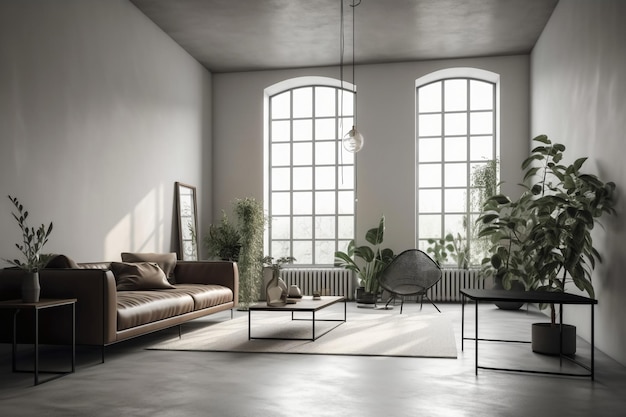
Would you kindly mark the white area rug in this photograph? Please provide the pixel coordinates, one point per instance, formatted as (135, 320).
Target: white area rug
(376, 334)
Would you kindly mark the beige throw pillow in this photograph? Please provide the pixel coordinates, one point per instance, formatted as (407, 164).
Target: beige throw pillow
(139, 276)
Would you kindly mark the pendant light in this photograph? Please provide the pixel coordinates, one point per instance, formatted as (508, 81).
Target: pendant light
(353, 141)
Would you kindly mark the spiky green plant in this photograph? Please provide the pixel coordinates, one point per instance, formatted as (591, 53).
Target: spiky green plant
(33, 240)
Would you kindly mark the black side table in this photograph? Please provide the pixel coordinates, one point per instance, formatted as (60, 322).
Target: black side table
(537, 297)
(19, 305)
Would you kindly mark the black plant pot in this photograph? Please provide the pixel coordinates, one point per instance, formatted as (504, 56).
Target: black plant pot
(546, 339)
(363, 297)
(508, 305)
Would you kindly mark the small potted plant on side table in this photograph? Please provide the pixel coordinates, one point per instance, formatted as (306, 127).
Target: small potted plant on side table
(32, 244)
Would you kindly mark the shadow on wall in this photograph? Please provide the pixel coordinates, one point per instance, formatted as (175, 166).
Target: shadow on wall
(142, 229)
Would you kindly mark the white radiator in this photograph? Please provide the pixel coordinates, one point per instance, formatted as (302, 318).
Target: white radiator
(454, 280)
(328, 281)
(336, 281)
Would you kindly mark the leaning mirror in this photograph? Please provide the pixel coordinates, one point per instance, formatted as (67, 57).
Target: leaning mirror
(187, 222)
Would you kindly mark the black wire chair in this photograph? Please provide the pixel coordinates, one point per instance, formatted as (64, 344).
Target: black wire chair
(412, 272)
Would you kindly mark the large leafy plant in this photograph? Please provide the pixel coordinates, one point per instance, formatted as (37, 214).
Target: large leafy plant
(544, 237)
(33, 240)
(506, 224)
(365, 261)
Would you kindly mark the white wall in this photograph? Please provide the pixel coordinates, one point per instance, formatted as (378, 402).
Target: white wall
(578, 84)
(100, 113)
(386, 116)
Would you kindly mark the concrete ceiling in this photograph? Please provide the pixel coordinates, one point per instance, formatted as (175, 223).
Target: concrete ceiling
(247, 35)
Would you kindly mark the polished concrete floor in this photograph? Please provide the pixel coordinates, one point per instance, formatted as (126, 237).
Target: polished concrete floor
(138, 382)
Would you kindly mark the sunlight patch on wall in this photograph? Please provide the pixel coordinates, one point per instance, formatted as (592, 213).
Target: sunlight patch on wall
(142, 229)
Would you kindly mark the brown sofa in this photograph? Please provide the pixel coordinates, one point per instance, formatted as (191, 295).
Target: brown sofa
(105, 315)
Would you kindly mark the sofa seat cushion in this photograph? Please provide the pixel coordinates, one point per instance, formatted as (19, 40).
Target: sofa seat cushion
(206, 295)
(135, 308)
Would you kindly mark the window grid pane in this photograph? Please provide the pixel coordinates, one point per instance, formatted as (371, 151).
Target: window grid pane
(310, 179)
(456, 121)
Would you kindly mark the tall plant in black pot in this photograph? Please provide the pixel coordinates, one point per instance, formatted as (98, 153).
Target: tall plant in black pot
(33, 241)
(561, 206)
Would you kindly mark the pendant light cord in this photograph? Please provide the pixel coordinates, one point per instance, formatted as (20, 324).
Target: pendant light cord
(353, 60)
(341, 50)
(341, 71)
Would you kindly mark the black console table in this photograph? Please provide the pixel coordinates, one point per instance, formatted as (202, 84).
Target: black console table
(539, 297)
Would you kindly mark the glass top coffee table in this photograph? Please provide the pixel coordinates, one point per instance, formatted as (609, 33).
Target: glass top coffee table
(305, 305)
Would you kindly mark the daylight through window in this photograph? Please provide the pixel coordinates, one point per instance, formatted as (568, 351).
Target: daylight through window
(309, 180)
(457, 162)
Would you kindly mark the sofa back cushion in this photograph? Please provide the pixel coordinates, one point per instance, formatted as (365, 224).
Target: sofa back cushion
(133, 276)
(61, 261)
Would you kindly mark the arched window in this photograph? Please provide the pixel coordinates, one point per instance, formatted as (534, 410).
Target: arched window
(457, 156)
(309, 179)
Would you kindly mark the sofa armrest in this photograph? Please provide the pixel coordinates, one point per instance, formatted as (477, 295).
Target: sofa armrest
(209, 272)
(96, 306)
(10, 283)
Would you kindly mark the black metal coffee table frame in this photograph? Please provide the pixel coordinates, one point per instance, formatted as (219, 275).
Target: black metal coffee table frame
(306, 305)
(540, 297)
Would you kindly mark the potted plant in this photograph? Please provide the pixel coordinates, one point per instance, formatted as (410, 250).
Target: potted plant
(549, 228)
(276, 291)
(506, 223)
(371, 261)
(33, 241)
(223, 240)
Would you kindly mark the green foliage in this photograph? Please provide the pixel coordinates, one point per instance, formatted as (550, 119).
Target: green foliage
(371, 260)
(223, 240)
(544, 238)
(506, 224)
(485, 184)
(251, 221)
(466, 248)
(277, 264)
(33, 240)
(454, 247)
